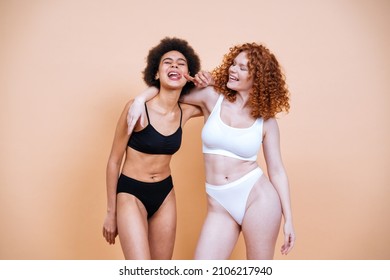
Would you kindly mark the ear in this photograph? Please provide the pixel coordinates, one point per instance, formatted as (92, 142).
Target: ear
(157, 76)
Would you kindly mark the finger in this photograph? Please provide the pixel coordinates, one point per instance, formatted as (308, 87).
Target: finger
(202, 78)
(287, 250)
(115, 233)
(109, 236)
(142, 121)
(189, 78)
(111, 239)
(197, 81)
(207, 75)
(283, 249)
(291, 244)
(130, 125)
(285, 245)
(288, 244)
(106, 235)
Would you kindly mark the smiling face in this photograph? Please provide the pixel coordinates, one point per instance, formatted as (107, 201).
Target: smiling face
(239, 77)
(172, 66)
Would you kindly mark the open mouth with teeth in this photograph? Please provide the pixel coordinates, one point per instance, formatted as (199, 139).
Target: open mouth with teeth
(174, 75)
(232, 78)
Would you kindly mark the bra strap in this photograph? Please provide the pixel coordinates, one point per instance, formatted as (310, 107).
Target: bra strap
(147, 114)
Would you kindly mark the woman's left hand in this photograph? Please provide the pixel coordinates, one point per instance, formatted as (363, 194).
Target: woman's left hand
(289, 238)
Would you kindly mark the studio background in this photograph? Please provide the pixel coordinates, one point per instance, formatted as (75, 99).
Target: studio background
(67, 68)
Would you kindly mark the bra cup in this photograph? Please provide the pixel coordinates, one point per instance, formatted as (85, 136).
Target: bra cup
(221, 139)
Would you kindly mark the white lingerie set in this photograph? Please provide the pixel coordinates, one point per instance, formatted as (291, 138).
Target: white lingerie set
(241, 143)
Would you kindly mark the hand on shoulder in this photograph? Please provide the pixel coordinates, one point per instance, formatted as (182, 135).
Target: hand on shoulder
(135, 109)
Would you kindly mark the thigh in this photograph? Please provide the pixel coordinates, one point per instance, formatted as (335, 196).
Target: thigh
(219, 234)
(162, 229)
(262, 219)
(132, 227)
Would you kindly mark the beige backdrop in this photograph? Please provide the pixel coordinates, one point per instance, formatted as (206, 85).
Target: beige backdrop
(67, 68)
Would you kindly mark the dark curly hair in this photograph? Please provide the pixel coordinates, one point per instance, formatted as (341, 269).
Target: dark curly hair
(269, 94)
(166, 45)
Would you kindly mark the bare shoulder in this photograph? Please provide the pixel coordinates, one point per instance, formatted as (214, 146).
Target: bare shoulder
(271, 122)
(211, 95)
(271, 126)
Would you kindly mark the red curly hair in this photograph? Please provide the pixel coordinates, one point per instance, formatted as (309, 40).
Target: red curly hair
(269, 95)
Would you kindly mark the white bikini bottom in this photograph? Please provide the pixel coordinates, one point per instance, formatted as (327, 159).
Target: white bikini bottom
(234, 195)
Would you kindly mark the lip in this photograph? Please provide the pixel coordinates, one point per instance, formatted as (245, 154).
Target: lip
(233, 78)
(174, 75)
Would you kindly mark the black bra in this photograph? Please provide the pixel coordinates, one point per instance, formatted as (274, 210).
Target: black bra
(150, 141)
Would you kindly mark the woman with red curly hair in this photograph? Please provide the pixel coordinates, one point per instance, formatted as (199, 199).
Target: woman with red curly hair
(248, 91)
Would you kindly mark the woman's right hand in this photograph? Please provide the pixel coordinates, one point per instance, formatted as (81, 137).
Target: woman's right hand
(202, 79)
(110, 230)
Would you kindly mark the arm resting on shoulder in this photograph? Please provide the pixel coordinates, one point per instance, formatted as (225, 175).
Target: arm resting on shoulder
(137, 108)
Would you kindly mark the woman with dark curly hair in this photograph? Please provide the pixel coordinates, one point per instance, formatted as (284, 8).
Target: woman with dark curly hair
(141, 203)
(249, 90)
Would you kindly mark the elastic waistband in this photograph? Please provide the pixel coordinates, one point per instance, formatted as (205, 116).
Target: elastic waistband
(123, 176)
(254, 172)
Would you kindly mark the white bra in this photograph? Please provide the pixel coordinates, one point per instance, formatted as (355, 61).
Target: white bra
(220, 139)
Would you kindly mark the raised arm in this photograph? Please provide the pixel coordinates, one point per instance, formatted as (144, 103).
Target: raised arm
(201, 96)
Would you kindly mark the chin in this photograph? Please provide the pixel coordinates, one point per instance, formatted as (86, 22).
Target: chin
(229, 86)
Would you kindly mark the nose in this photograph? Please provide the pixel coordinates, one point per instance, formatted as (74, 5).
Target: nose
(174, 65)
